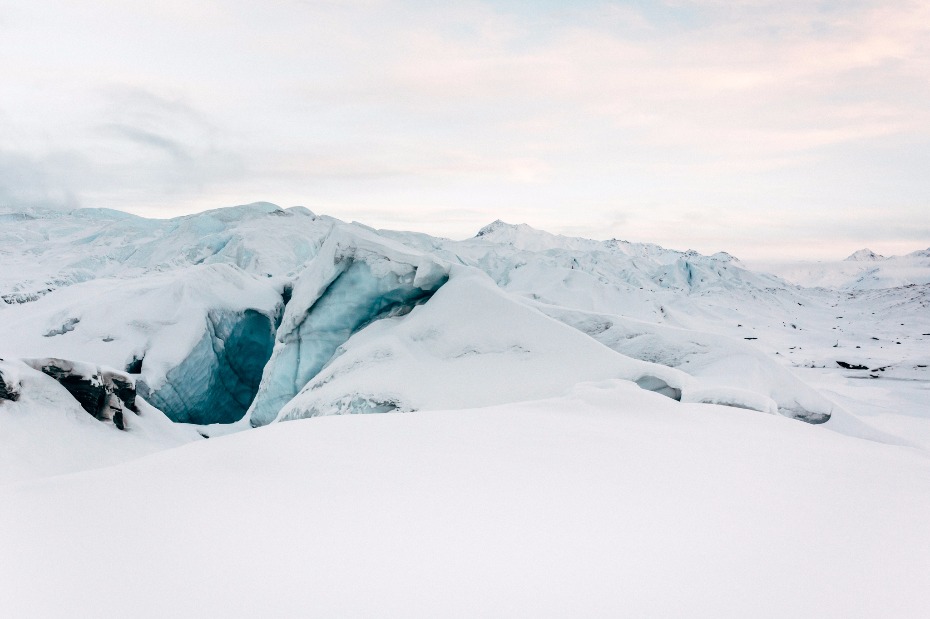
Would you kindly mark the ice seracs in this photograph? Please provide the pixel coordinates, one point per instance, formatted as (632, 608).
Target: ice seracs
(219, 377)
(195, 338)
(355, 280)
(470, 345)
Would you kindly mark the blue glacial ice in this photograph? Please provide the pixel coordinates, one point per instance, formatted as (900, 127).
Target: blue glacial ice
(354, 299)
(217, 381)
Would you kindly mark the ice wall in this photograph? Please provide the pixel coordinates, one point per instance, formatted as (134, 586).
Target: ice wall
(355, 298)
(217, 381)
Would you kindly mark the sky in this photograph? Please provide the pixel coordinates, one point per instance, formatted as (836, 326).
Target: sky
(784, 129)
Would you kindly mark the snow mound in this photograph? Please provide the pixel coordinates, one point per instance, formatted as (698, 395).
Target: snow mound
(46, 430)
(471, 345)
(608, 502)
(751, 379)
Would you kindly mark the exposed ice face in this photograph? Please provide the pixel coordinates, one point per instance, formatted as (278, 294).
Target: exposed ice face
(471, 345)
(219, 378)
(195, 336)
(354, 299)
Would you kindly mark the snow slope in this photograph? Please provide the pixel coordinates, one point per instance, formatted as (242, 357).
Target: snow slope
(43, 250)
(609, 501)
(46, 432)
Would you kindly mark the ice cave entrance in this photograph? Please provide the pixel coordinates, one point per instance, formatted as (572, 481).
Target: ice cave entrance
(218, 380)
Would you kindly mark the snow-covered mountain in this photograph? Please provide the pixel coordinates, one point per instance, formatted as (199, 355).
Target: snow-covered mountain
(863, 270)
(122, 336)
(255, 313)
(864, 255)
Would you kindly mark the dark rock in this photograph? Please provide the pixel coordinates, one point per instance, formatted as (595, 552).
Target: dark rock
(67, 327)
(8, 391)
(105, 394)
(125, 390)
(851, 366)
(135, 365)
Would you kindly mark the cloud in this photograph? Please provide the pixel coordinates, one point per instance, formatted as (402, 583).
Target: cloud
(37, 182)
(557, 114)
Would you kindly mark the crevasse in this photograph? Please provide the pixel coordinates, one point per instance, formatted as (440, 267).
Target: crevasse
(354, 299)
(217, 381)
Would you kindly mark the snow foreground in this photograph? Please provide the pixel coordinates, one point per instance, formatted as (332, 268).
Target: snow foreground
(590, 427)
(608, 501)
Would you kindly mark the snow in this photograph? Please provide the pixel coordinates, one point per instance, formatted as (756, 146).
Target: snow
(572, 426)
(471, 345)
(609, 501)
(863, 270)
(169, 320)
(46, 432)
(743, 375)
(864, 255)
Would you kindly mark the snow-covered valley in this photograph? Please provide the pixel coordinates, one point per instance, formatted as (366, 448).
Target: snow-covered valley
(559, 426)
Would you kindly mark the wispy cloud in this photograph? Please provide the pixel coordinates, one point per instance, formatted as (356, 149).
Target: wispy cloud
(561, 115)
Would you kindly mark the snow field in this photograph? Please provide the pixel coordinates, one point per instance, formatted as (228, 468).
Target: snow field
(608, 501)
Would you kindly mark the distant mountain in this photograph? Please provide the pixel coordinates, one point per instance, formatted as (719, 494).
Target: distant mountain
(863, 270)
(864, 255)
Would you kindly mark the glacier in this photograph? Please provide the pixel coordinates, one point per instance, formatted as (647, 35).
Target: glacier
(245, 316)
(345, 292)
(516, 394)
(195, 339)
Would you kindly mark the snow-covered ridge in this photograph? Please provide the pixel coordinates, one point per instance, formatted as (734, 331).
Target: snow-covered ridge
(246, 316)
(864, 255)
(863, 270)
(43, 250)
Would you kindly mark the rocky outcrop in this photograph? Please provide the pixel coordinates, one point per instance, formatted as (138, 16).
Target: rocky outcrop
(106, 394)
(9, 388)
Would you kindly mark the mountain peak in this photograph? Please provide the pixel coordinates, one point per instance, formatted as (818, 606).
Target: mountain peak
(496, 226)
(864, 255)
